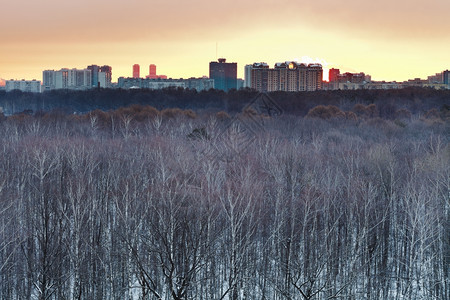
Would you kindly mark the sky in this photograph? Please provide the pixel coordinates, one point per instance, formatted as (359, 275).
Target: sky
(388, 39)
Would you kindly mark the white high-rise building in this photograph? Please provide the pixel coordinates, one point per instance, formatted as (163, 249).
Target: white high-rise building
(74, 79)
(62, 79)
(48, 80)
(104, 79)
(33, 86)
(248, 76)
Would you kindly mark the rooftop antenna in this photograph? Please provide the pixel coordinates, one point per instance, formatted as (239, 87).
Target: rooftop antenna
(216, 50)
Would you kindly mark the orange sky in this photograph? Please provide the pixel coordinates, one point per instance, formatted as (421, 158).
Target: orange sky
(388, 39)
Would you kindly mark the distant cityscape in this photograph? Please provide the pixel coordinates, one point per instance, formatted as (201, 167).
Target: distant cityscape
(289, 76)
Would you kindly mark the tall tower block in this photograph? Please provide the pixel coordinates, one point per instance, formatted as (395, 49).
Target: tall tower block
(152, 71)
(136, 71)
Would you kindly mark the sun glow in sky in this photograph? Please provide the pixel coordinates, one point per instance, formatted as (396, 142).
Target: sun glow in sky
(388, 39)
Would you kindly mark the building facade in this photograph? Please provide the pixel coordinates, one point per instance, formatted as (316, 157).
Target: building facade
(155, 84)
(445, 77)
(437, 78)
(198, 84)
(333, 74)
(224, 74)
(248, 76)
(104, 81)
(94, 75)
(48, 80)
(136, 71)
(240, 83)
(152, 73)
(105, 76)
(74, 79)
(32, 86)
(347, 81)
(100, 76)
(286, 76)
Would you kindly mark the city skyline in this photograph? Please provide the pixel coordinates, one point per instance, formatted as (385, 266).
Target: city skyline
(390, 41)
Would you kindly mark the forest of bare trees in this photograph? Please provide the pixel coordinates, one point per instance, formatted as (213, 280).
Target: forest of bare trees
(139, 203)
(388, 102)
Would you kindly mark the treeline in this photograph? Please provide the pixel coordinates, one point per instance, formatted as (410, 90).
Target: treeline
(140, 203)
(388, 102)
